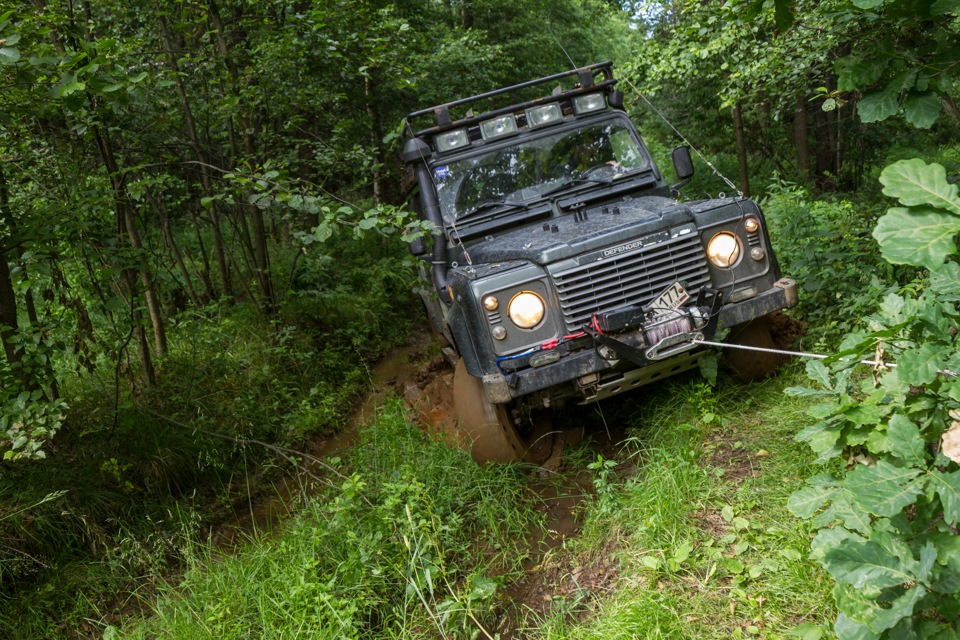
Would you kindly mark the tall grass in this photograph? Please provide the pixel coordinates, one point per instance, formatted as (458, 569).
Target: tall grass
(387, 553)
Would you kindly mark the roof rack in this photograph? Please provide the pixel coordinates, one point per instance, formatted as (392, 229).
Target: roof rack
(586, 77)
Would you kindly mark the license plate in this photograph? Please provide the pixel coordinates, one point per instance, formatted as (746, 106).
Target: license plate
(671, 298)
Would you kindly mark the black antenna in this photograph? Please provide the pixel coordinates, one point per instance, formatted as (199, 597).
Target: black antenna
(572, 63)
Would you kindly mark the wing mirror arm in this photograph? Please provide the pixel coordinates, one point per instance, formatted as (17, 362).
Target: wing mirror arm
(683, 166)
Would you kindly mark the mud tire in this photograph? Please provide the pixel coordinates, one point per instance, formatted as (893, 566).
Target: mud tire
(749, 366)
(488, 431)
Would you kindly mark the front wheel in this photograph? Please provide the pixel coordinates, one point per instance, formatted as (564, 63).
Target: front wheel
(489, 431)
(748, 365)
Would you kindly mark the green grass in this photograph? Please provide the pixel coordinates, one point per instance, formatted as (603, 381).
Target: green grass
(416, 541)
(706, 546)
(391, 552)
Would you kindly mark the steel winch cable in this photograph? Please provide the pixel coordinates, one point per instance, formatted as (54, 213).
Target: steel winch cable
(806, 354)
(784, 352)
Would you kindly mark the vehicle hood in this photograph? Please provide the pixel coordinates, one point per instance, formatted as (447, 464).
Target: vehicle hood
(584, 231)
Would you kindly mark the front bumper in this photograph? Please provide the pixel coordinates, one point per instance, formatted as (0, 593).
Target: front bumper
(573, 366)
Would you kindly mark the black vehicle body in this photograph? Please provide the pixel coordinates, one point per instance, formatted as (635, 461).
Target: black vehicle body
(596, 245)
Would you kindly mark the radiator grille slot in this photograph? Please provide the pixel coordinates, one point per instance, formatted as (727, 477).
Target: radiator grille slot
(633, 278)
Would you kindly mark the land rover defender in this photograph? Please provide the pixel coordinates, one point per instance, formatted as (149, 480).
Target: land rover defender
(563, 268)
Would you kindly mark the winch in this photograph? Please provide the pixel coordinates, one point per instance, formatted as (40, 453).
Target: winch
(666, 327)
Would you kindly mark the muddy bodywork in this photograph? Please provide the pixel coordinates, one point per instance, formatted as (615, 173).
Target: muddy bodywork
(576, 218)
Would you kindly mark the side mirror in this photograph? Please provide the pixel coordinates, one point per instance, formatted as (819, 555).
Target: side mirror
(683, 165)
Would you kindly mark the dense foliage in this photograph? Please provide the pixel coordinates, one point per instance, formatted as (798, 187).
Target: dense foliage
(201, 214)
(889, 532)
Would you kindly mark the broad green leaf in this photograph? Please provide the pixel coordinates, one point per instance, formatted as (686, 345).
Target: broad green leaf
(854, 73)
(941, 7)
(823, 410)
(483, 588)
(884, 618)
(820, 436)
(845, 511)
(892, 305)
(9, 55)
(945, 576)
(948, 488)
(945, 280)
(71, 87)
(827, 539)
(818, 372)
(807, 631)
(914, 182)
(849, 629)
(783, 14)
(879, 105)
(922, 110)
(865, 564)
(922, 237)
(905, 439)
(857, 604)
(805, 502)
(928, 556)
(868, 4)
(864, 414)
(884, 489)
(920, 366)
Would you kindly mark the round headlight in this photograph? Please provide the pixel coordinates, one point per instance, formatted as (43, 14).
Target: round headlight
(723, 250)
(526, 309)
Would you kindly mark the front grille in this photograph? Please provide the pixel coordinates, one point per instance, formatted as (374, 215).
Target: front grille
(633, 278)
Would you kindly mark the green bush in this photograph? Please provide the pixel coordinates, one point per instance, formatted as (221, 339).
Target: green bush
(889, 521)
(825, 245)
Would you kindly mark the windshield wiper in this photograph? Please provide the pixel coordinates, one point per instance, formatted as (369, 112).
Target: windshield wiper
(573, 181)
(491, 204)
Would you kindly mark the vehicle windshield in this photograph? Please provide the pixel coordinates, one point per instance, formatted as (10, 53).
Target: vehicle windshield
(533, 167)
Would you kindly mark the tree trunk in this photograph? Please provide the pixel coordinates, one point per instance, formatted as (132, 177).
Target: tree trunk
(201, 158)
(164, 221)
(149, 291)
(8, 314)
(125, 219)
(375, 139)
(741, 150)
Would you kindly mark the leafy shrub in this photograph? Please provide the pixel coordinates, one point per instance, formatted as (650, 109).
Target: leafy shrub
(826, 246)
(889, 529)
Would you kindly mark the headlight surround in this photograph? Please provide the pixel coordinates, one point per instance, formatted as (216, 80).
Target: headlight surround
(723, 250)
(526, 309)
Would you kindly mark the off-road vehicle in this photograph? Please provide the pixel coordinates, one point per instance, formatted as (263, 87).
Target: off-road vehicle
(563, 268)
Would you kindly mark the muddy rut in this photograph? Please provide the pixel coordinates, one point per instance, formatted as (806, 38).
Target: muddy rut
(423, 377)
